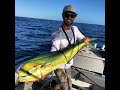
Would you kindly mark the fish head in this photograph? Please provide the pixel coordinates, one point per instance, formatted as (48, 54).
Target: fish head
(32, 74)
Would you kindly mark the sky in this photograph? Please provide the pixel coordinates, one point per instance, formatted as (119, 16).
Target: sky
(89, 11)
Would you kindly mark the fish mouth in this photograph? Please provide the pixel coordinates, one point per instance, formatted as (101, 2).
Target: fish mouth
(23, 78)
(26, 79)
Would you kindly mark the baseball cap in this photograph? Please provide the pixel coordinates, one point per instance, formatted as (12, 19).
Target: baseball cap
(69, 8)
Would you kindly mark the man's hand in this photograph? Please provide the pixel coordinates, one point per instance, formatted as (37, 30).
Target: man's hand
(42, 78)
(86, 40)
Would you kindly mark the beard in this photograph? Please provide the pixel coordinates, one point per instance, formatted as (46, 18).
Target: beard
(68, 22)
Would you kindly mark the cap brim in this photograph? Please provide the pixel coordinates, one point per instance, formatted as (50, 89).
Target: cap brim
(70, 11)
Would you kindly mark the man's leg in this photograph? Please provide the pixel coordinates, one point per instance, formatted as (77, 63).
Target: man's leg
(64, 77)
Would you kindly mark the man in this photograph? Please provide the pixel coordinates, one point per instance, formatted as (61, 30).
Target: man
(64, 37)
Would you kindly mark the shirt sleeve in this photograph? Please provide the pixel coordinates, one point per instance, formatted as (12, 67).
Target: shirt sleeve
(55, 42)
(79, 35)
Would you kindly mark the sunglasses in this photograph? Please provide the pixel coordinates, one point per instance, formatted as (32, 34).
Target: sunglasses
(67, 15)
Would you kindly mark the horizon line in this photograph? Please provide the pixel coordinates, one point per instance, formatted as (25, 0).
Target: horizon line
(57, 20)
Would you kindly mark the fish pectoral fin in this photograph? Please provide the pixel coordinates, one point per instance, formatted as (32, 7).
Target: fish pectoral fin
(47, 64)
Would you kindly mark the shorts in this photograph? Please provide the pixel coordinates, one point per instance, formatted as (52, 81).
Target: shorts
(64, 78)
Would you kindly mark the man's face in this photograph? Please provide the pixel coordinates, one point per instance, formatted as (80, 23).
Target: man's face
(68, 18)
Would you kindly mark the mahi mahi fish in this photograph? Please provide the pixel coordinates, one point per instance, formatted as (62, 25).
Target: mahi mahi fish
(37, 67)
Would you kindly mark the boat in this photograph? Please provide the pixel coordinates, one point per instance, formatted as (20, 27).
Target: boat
(88, 72)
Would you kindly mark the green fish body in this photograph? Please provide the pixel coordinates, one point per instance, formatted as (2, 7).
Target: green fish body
(39, 66)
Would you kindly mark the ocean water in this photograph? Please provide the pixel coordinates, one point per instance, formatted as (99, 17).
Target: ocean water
(33, 36)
